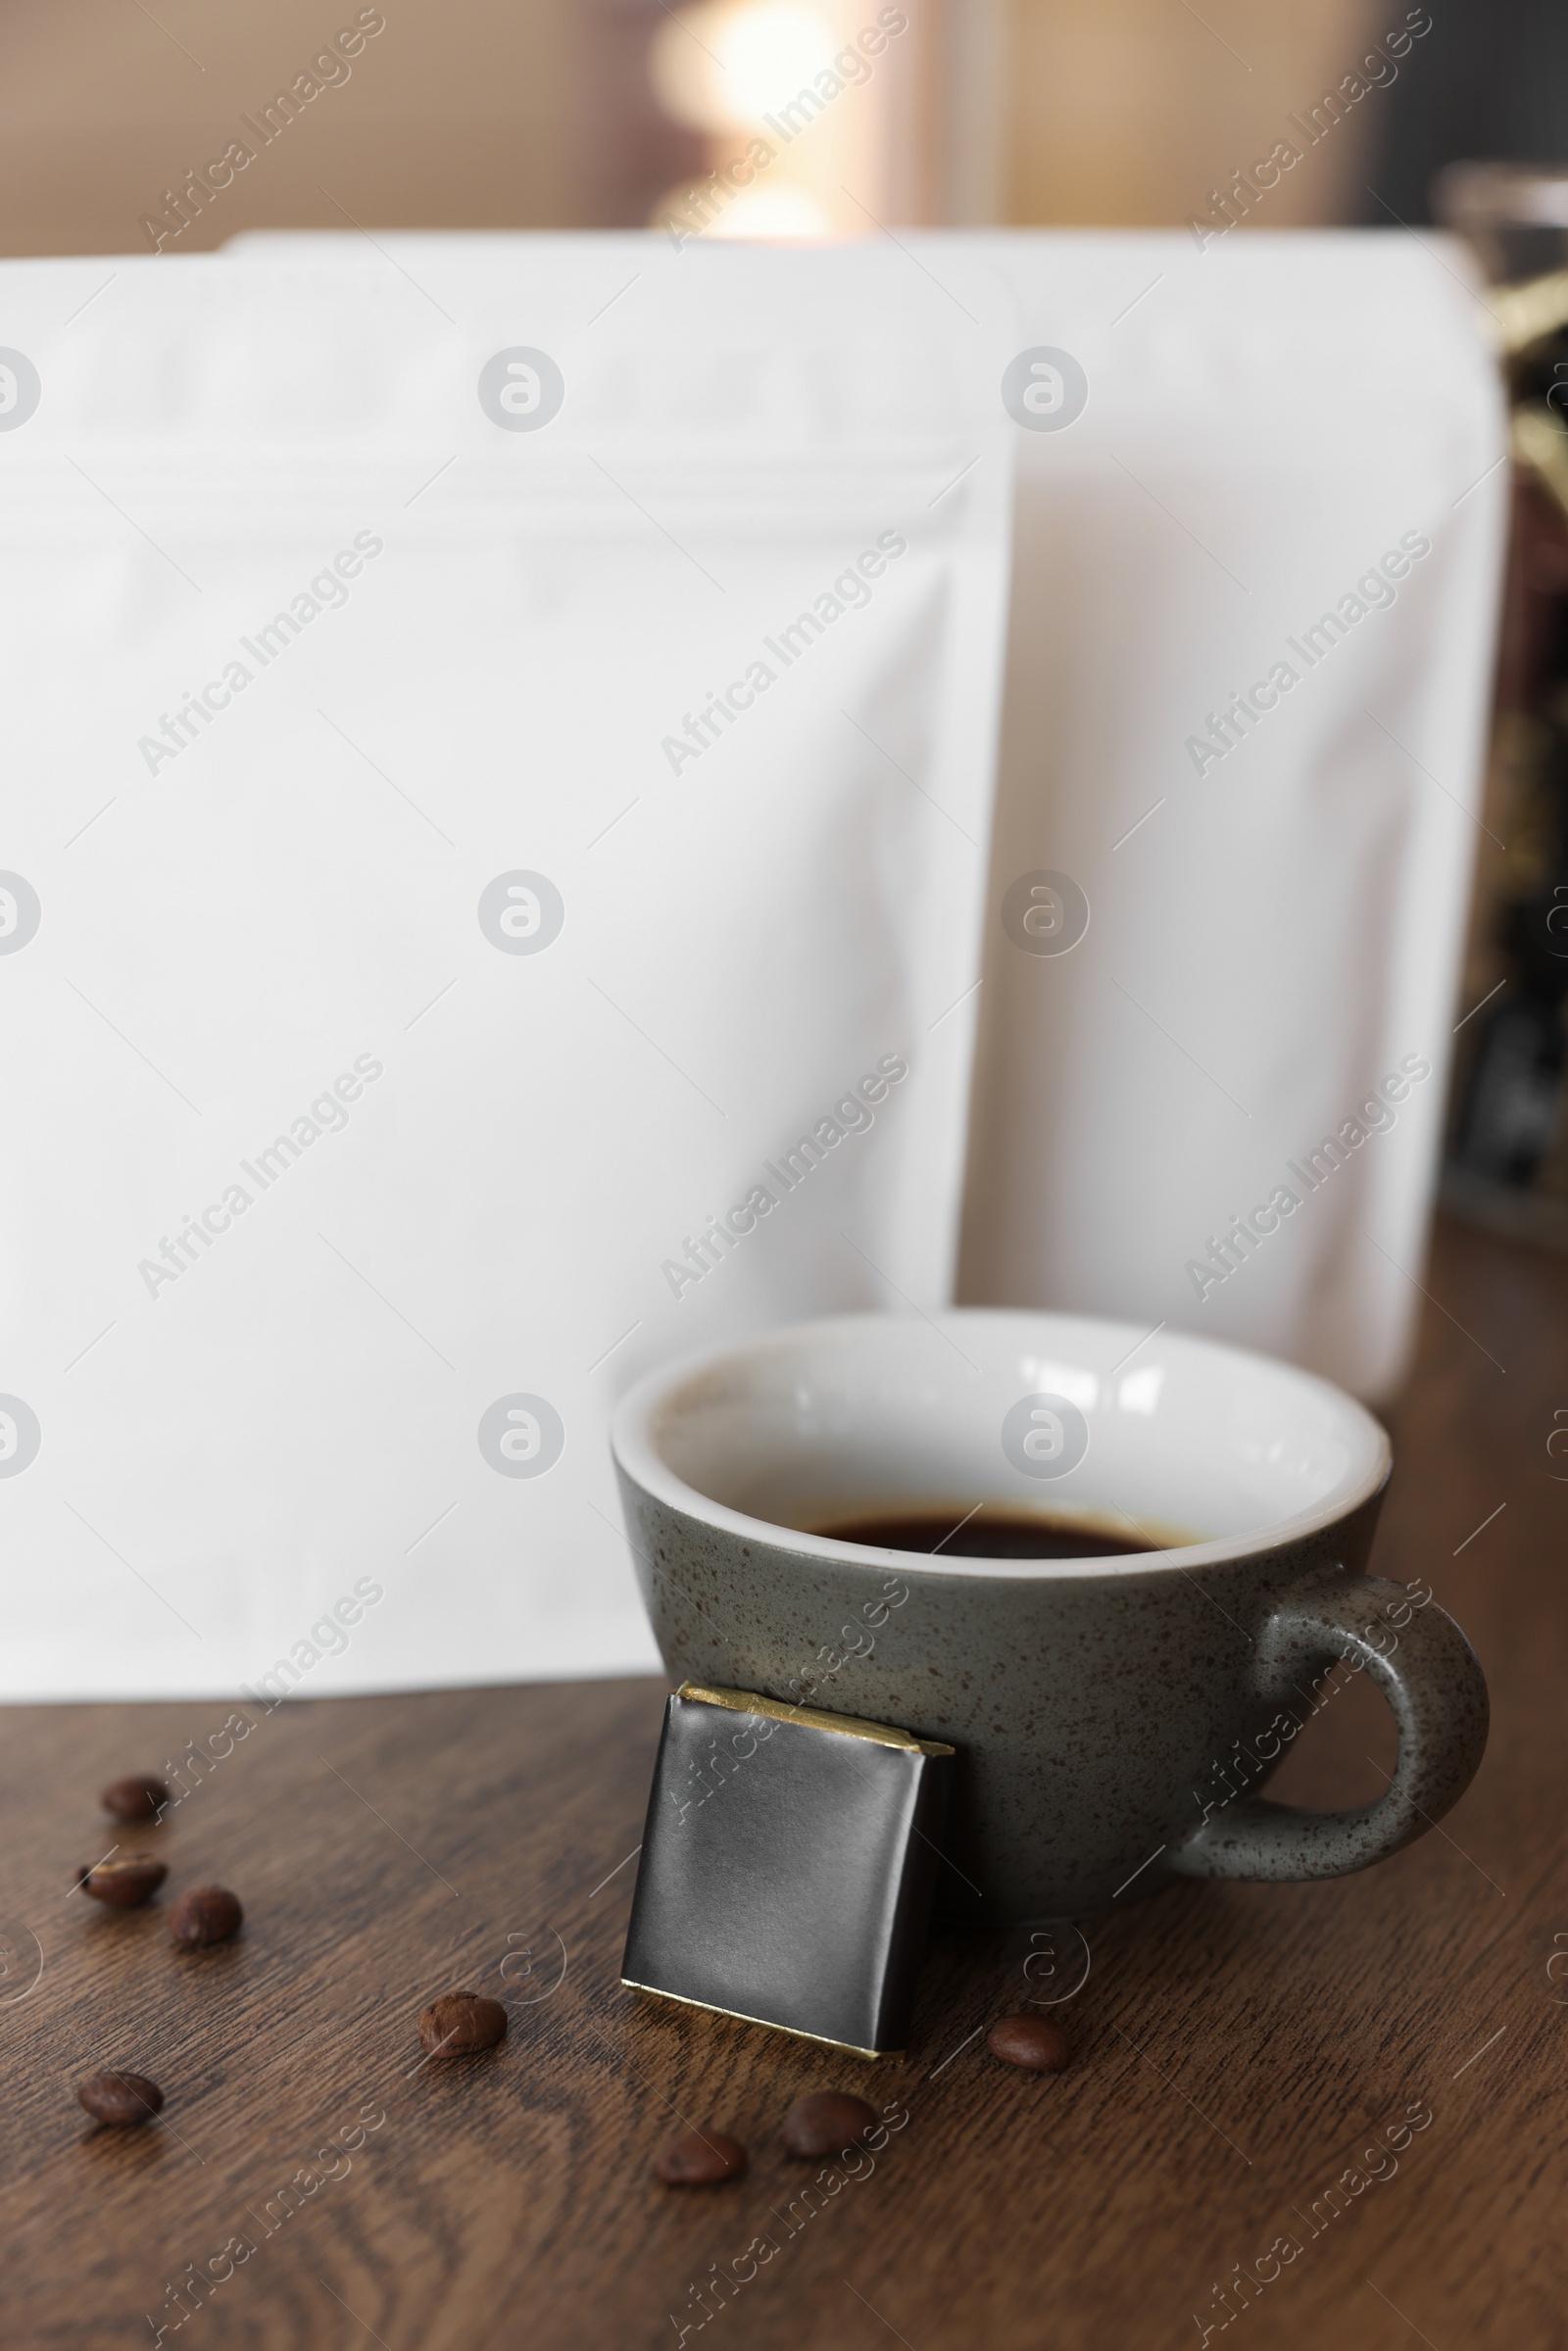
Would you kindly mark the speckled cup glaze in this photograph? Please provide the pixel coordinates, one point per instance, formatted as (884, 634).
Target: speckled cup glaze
(1114, 1717)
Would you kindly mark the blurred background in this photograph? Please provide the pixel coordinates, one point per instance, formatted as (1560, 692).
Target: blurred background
(555, 114)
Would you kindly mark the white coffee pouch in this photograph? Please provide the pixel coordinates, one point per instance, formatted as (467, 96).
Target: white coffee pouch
(499, 752)
(1260, 500)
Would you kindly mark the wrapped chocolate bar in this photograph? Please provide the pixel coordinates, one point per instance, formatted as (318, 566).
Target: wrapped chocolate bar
(787, 1867)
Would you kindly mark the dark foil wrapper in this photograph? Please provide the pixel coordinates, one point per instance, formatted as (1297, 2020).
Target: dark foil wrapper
(787, 1867)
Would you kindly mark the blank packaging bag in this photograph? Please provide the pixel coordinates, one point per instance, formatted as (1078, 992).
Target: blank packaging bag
(498, 766)
(1260, 499)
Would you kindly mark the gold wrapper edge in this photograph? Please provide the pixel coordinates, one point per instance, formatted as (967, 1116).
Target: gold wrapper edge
(710, 2008)
(853, 1726)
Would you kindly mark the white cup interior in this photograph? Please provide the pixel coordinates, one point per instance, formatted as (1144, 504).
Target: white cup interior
(1190, 1443)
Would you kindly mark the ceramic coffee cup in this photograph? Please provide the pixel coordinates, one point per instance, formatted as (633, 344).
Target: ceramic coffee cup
(1116, 1716)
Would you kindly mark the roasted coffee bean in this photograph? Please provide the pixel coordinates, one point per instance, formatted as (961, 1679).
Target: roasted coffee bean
(204, 1914)
(124, 1881)
(122, 2099)
(1031, 2041)
(700, 2159)
(135, 1798)
(460, 2022)
(826, 2123)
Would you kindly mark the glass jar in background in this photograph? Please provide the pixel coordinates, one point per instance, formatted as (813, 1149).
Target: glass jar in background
(1507, 1160)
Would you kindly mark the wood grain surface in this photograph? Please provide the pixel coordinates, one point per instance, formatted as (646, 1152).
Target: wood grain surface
(1238, 2050)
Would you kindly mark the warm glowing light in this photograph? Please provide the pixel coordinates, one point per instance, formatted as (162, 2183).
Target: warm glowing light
(723, 67)
(781, 212)
(770, 51)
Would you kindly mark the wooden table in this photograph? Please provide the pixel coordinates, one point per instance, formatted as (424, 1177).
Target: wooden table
(1237, 2047)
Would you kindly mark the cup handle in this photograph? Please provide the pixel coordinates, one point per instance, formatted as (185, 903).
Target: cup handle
(1433, 1682)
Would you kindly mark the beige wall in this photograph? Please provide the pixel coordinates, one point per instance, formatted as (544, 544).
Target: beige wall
(461, 112)
(1124, 112)
(537, 113)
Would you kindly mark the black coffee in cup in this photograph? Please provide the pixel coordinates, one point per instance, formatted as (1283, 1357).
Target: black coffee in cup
(991, 1530)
